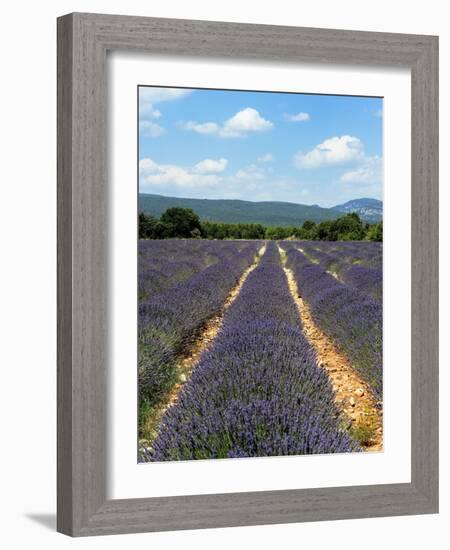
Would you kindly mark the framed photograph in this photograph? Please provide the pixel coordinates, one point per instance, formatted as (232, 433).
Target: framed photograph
(247, 274)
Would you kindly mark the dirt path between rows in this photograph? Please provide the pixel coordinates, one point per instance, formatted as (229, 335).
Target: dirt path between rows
(199, 344)
(353, 395)
(335, 275)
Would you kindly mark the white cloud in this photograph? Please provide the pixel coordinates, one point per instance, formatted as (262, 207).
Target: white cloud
(150, 129)
(365, 170)
(251, 173)
(370, 171)
(206, 179)
(148, 96)
(299, 117)
(379, 113)
(205, 128)
(247, 120)
(335, 150)
(240, 125)
(147, 166)
(209, 166)
(149, 111)
(268, 157)
(152, 174)
(252, 182)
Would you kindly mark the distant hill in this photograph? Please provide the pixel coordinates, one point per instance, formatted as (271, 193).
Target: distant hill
(237, 211)
(368, 209)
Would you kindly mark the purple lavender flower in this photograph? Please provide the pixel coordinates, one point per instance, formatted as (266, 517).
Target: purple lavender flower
(258, 390)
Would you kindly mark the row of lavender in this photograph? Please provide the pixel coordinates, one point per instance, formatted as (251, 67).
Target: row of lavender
(164, 263)
(351, 318)
(364, 251)
(168, 320)
(258, 390)
(357, 264)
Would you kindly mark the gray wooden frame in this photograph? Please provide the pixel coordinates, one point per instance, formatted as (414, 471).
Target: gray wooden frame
(83, 40)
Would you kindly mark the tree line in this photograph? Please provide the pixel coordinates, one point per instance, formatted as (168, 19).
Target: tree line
(184, 223)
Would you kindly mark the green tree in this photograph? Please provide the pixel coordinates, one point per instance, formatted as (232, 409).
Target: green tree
(146, 226)
(300, 233)
(308, 225)
(277, 233)
(375, 232)
(163, 231)
(324, 231)
(182, 220)
(348, 228)
(184, 223)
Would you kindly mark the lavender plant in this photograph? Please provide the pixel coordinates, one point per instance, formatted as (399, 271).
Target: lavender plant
(164, 263)
(365, 279)
(351, 318)
(357, 264)
(169, 320)
(258, 390)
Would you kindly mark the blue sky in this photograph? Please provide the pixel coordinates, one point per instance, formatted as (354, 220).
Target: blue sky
(259, 146)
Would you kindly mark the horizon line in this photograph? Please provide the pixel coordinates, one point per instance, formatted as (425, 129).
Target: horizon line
(259, 202)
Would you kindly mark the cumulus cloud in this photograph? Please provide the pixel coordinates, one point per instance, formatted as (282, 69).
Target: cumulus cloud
(335, 150)
(150, 129)
(251, 173)
(149, 111)
(209, 166)
(247, 120)
(148, 96)
(370, 171)
(207, 179)
(204, 128)
(147, 166)
(299, 117)
(362, 169)
(152, 174)
(239, 125)
(253, 181)
(268, 157)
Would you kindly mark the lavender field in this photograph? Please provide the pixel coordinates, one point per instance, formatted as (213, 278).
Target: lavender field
(259, 348)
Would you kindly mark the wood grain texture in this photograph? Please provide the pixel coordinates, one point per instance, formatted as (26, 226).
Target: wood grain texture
(424, 276)
(64, 251)
(83, 40)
